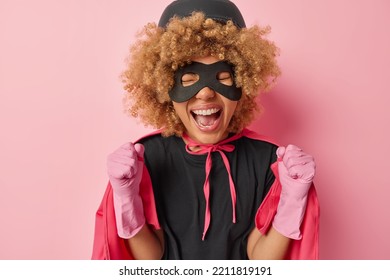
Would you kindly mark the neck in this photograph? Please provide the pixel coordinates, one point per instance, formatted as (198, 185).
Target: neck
(195, 146)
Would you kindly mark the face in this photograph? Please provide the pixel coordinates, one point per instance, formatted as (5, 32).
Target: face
(207, 114)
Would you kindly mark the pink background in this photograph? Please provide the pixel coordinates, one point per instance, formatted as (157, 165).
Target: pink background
(61, 114)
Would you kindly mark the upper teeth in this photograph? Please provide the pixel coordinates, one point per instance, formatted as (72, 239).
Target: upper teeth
(206, 112)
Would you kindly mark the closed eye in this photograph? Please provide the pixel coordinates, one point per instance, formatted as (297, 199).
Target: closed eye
(189, 79)
(225, 78)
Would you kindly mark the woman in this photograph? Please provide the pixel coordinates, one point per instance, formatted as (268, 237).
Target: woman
(203, 186)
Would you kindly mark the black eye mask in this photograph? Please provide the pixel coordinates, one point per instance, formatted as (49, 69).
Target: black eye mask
(208, 77)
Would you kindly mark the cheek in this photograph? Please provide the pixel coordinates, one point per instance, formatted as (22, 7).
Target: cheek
(231, 108)
(181, 110)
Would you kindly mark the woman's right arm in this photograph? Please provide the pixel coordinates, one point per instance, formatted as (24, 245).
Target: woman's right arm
(148, 244)
(124, 167)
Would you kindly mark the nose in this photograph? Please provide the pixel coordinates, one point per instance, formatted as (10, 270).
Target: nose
(205, 93)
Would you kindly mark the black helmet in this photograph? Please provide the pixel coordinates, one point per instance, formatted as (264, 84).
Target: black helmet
(220, 10)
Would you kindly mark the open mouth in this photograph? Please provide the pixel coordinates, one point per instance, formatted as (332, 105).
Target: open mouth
(206, 118)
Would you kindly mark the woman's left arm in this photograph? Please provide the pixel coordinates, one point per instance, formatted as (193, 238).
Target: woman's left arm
(272, 246)
(296, 172)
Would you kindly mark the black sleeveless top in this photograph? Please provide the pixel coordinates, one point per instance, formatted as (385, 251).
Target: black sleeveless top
(178, 178)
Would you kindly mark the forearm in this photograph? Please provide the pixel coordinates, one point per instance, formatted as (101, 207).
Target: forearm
(125, 169)
(147, 244)
(272, 246)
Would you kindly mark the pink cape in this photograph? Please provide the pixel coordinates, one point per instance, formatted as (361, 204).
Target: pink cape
(108, 245)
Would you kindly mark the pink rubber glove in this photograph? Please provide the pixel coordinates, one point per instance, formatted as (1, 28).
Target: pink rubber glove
(296, 173)
(124, 168)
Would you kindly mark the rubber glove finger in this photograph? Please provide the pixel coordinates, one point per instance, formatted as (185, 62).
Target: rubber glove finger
(299, 160)
(119, 171)
(291, 147)
(280, 152)
(305, 173)
(140, 149)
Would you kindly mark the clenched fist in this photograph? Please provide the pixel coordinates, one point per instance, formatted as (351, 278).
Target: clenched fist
(124, 168)
(296, 172)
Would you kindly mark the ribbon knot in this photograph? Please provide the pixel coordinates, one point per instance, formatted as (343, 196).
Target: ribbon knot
(200, 149)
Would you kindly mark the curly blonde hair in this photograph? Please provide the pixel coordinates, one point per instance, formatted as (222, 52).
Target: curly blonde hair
(159, 52)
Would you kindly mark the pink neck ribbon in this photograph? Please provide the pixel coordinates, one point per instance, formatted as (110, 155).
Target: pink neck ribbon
(202, 149)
